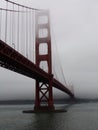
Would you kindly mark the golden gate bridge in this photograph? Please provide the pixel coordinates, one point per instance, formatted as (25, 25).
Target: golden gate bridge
(25, 48)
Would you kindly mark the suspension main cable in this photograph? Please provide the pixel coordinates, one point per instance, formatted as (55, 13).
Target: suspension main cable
(58, 57)
(10, 10)
(21, 5)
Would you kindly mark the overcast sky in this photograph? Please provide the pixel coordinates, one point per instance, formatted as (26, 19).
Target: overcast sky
(75, 31)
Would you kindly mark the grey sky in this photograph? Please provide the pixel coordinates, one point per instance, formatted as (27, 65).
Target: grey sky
(75, 31)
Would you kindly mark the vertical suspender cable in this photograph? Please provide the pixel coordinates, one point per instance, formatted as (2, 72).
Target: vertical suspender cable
(18, 31)
(15, 30)
(55, 74)
(13, 44)
(30, 34)
(0, 22)
(10, 27)
(26, 32)
(33, 33)
(6, 17)
(61, 67)
(59, 61)
(22, 32)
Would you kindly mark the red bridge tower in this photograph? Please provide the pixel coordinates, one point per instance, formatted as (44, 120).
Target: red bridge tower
(44, 96)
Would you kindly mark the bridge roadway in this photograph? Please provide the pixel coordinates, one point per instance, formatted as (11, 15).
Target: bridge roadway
(13, 60)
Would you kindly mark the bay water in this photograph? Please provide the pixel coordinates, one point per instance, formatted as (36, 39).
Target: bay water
(78, 117)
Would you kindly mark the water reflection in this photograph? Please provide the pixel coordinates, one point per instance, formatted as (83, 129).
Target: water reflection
(48, 121)
(42, 121)
(78, 117)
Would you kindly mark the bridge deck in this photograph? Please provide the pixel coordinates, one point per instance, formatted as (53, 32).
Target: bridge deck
(13, 60)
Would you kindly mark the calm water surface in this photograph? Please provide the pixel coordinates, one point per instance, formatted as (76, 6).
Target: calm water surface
(78, 117)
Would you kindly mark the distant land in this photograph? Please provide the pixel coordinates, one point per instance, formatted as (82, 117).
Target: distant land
(56, 101)
(16, 102)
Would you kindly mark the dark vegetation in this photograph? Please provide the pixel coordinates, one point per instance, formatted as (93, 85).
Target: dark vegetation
(56, 101)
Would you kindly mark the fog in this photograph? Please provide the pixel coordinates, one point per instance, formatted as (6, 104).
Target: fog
(74, 25)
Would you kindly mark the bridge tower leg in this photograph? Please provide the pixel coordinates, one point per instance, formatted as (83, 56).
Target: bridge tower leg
(44, 96)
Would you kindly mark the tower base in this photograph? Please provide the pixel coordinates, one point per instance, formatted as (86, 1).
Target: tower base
(44, 108)
(44, 111)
